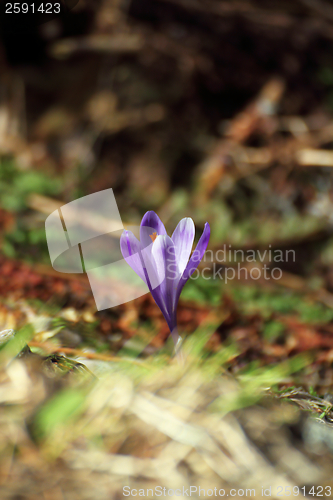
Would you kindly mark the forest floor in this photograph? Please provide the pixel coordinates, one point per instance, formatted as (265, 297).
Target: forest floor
(221, 111)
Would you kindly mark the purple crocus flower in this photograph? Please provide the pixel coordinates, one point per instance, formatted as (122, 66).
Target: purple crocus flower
(164, 263)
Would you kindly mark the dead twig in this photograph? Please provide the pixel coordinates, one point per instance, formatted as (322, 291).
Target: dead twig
(53, 349)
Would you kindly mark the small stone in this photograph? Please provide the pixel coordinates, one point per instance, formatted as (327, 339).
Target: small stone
(70, 314)
(115, 337)
(88, 317)
(68, 338)
(6, 335)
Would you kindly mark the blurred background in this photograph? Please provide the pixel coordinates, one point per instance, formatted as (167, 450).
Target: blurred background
(219, 110)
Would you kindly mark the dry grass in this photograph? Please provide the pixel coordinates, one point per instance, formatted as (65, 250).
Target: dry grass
(152, 423)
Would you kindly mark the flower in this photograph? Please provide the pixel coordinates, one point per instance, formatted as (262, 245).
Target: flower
(164, 263)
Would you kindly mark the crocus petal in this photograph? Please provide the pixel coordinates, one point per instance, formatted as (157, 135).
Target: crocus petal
(162, 262)
(158, 296)
(132, 252)
(150, 224)
(131, 249)
(182, 238)
(164, 255)
(194, 260)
